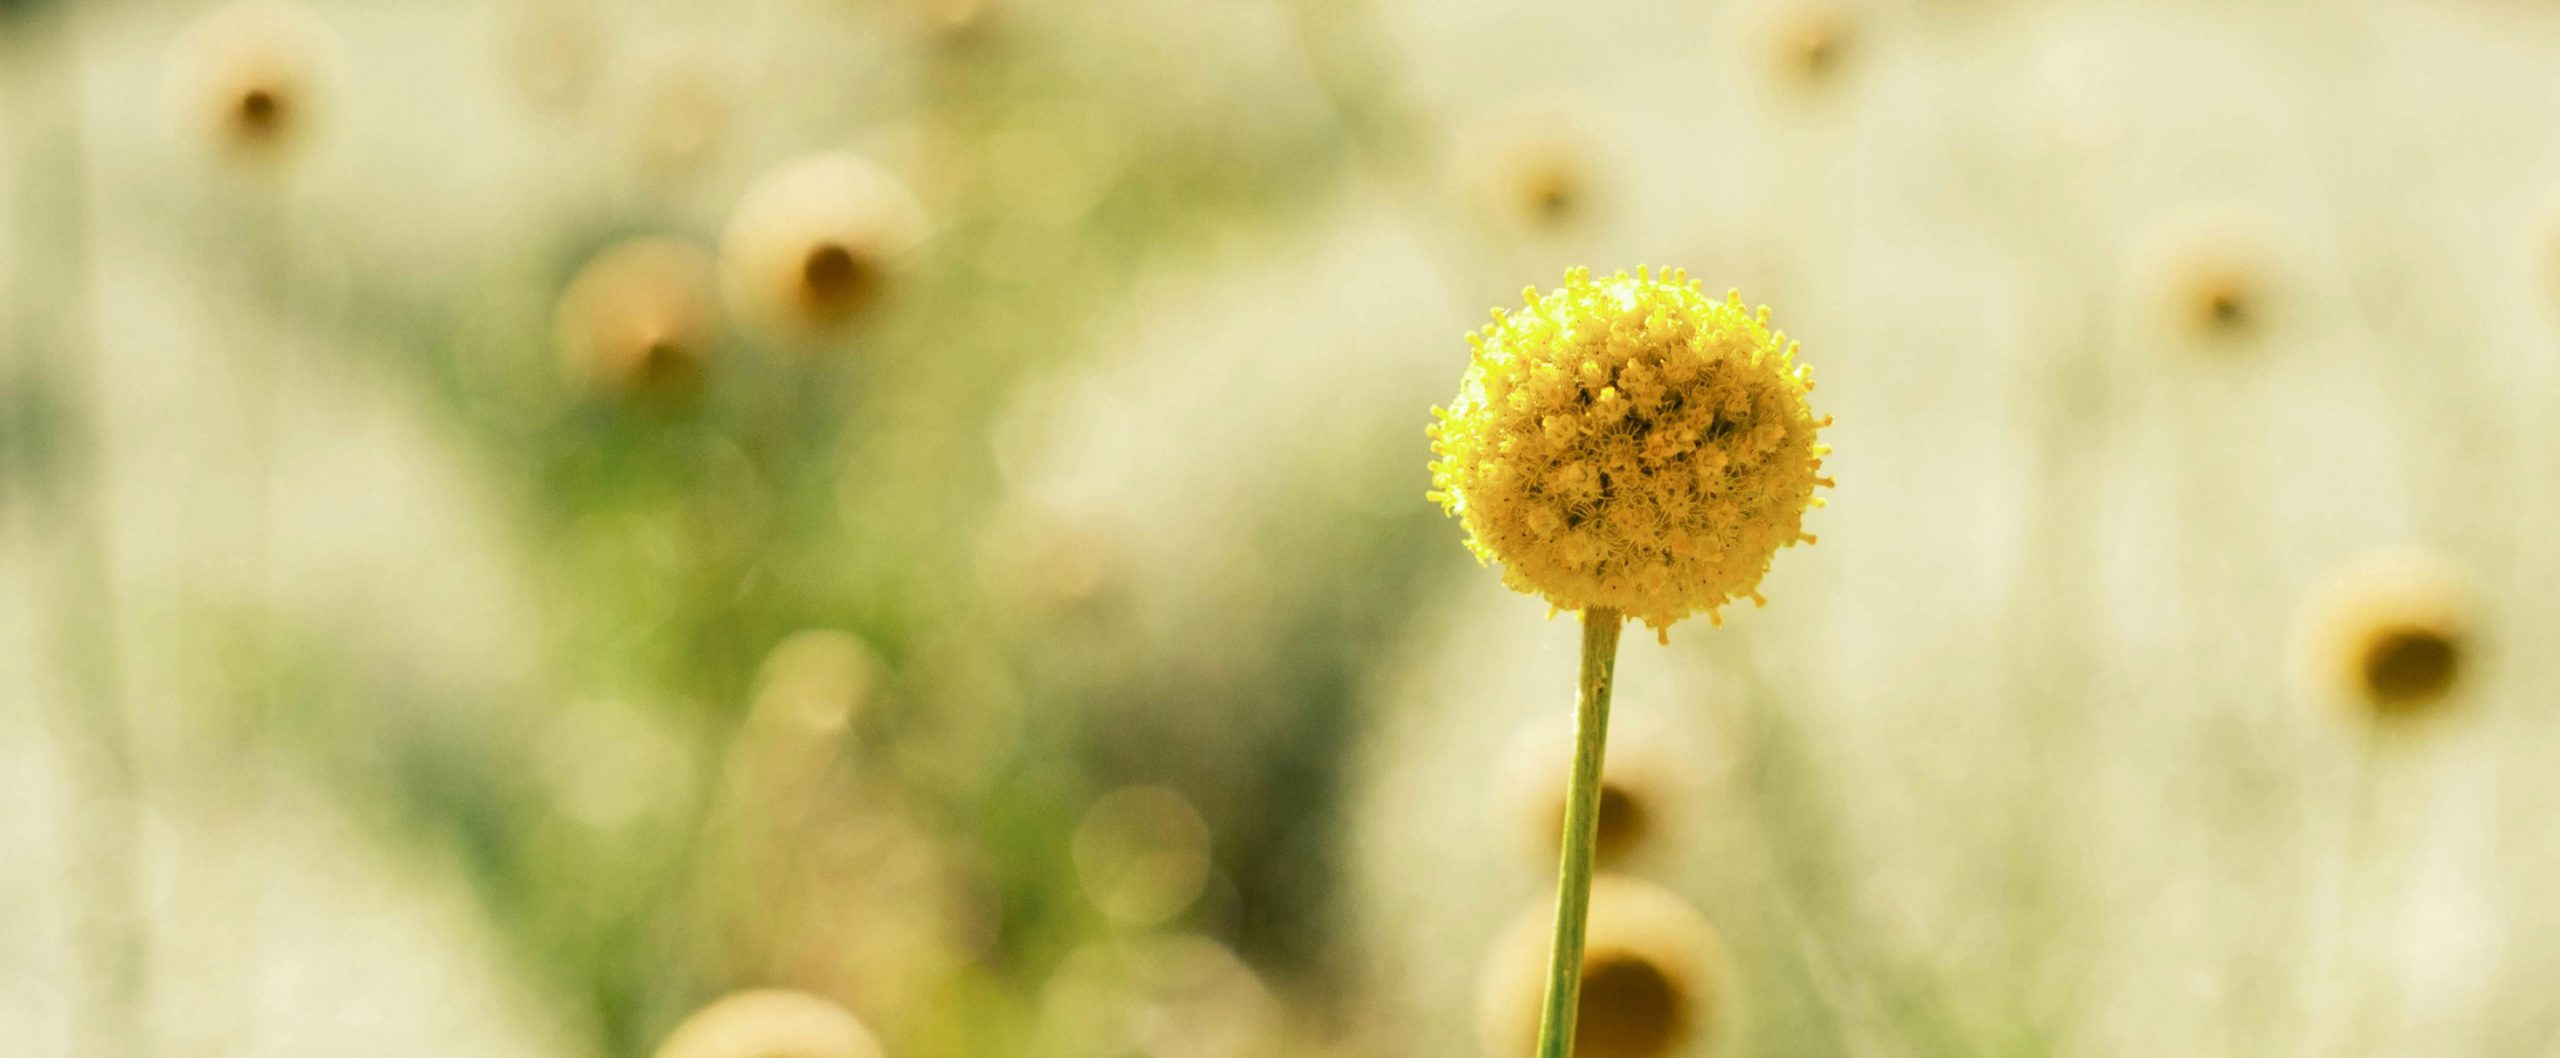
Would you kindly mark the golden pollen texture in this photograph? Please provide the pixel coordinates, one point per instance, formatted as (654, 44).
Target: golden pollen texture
(1630, 443)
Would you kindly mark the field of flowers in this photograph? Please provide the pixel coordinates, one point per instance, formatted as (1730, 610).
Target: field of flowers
(919, 528)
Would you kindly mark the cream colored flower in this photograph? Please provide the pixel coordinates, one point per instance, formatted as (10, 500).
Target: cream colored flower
(251, 80)
(641, 318)
(2209, 282)
(1654, 982)
(1806, 43)
(686, 105)
(1532, 175)
(812, 246)
(553, 51)
(2391, 636)
(771, 1023)
(1641, 792)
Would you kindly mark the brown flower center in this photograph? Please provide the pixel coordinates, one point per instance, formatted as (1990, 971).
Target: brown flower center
(835, 281)
(1629, 1009)
(1817, 53)
(2224, 304)
(261, 112)
(2226, 309)
(2406, 668)
(1550, 193)
(662, 360)
(1623, 824)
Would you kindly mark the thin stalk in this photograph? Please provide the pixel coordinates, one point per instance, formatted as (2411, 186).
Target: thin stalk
(64, 476)
(1581, 829)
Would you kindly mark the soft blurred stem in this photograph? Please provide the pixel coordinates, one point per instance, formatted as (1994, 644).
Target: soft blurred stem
(50, 446)
(1581, 828)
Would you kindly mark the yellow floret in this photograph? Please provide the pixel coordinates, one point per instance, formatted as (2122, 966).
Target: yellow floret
(1630, 443)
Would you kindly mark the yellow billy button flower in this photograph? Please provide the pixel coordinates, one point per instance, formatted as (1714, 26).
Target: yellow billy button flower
(1807, 42)
(1628, 443)
(771, 1023)
(2212, 283)
(553, 51)
(810, 249)
(1537, 176)
(641, 319)
(249, 79)
(2390, 637)
(687, 110)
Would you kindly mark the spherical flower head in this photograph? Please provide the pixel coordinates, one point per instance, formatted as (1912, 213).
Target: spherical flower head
(2389, 637)
(248, 80)
(771, 1023)
(2211, 283)
(810, 249)
(641, 319)
(1630, 443)
(686, 111)
(553, 51)
(1535, 176)
(1807, 42)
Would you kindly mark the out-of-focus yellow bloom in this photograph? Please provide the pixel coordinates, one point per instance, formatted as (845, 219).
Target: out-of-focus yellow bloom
(1654, 982)
(685, 110)
(249, 79)
(2210, 282)
(1806, 42)
(1533, 176)
(2390, 636)
(771, 1023)
(641, 318)
(811, 246)
(2215, 290)
(1642, 797)
(1630, 443)
(553, 51)
(2218, 298)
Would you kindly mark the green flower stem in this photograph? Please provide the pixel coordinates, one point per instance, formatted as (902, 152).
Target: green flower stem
(1581, 829)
